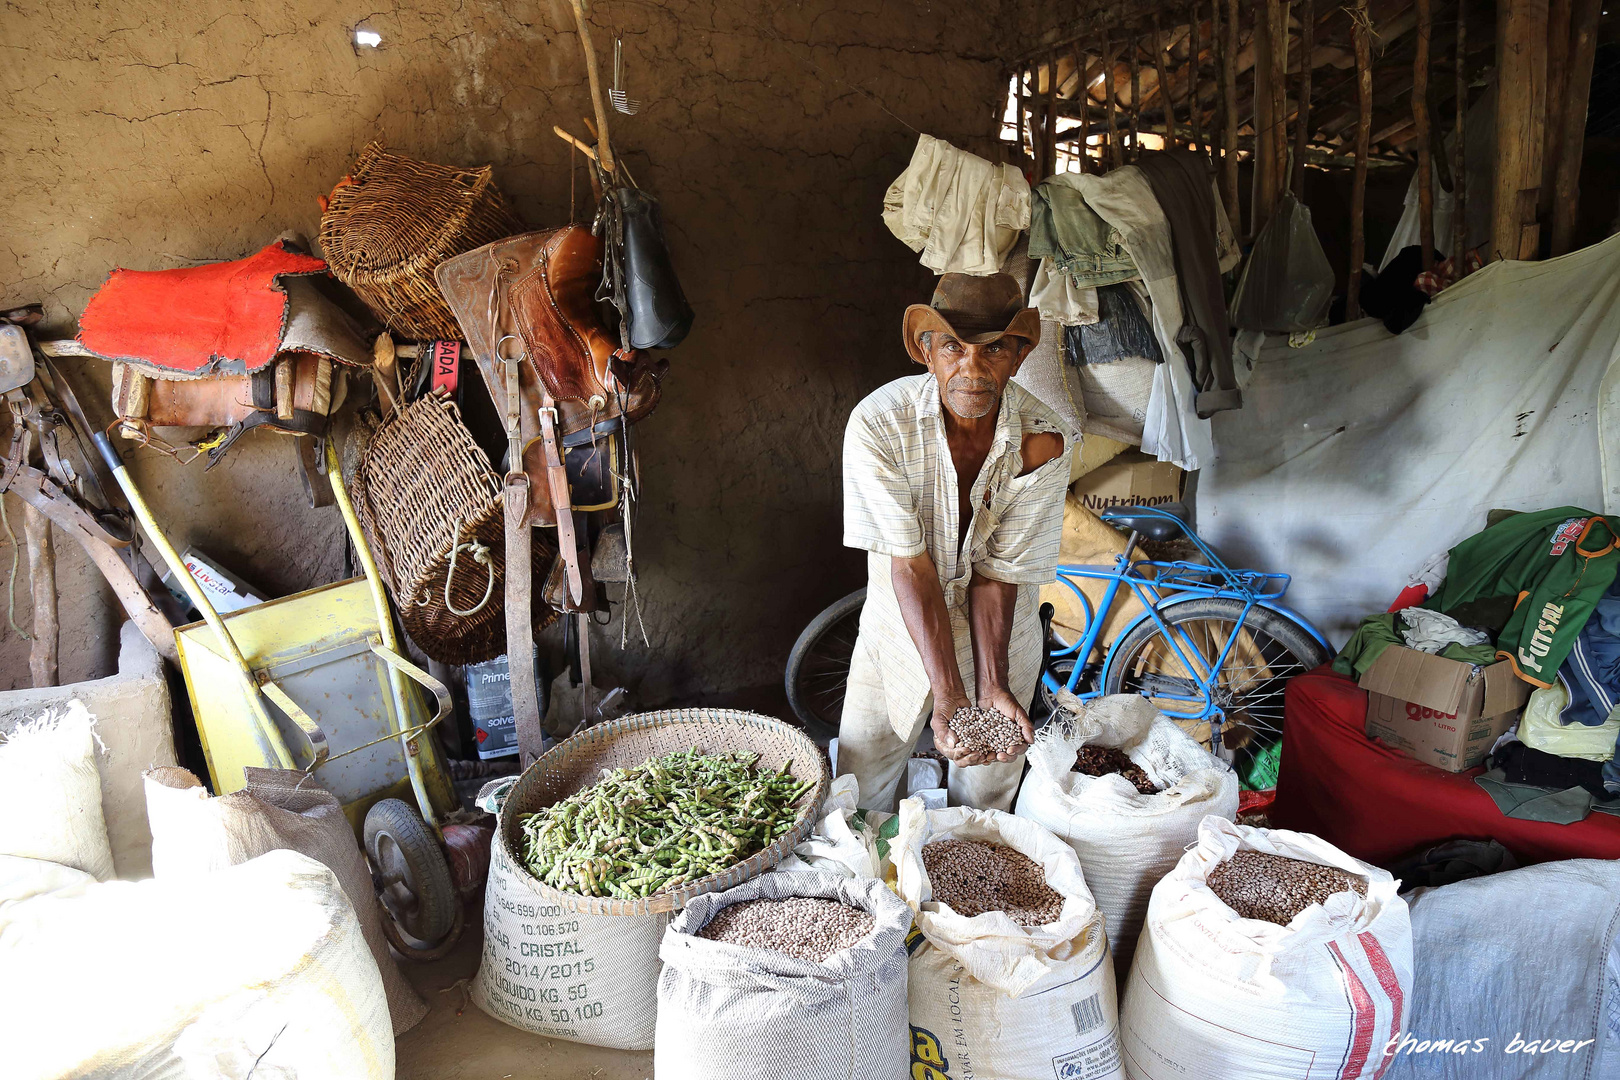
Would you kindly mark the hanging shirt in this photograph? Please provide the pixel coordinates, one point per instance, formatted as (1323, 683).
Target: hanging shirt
(963, 213)
(901, 501)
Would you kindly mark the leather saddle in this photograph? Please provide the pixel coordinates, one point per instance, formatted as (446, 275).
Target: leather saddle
(532, 297)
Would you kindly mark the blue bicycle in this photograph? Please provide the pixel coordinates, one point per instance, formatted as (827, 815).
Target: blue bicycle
(1211, 647)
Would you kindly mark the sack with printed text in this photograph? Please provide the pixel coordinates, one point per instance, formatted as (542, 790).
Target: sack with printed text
(1214, 994)
(989, 998)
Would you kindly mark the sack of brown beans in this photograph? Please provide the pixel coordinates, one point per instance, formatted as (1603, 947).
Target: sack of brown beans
(1009, 974)
(1266, 954)
(790, 974)
(1127, 838)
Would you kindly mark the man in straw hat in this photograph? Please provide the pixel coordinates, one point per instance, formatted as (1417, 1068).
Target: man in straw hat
(953, 484)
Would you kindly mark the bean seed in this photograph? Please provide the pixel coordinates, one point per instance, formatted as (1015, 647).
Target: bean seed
(1275, 888)
(985, 731)
(973, 877)
(803, 927)
(1102, 760)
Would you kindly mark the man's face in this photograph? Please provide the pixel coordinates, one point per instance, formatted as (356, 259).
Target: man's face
(972, 377)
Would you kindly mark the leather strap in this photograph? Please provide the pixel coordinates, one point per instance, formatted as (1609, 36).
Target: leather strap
(557, 482)
(519, 576)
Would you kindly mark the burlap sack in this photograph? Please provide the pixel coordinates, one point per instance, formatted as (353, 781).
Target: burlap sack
(278, 809)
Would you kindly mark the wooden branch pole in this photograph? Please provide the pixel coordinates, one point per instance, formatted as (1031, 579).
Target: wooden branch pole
(1558, 47)
(1136, 93)
(1263, 181)
(604, 143)
(1521, 55)
(1082, 98)
(1578, 88)
(1229, 115)
(1051, 114)
(578, 144)
(1116, 153)
(1195, 63)
(1164, 86)
(1279, 97)
(1358, 189)
(1420, 119)
(1459, 155)
(1302, 122)
(42, 581)
(1018, 109)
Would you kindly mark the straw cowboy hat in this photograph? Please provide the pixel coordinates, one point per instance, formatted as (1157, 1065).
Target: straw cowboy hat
(974, 309)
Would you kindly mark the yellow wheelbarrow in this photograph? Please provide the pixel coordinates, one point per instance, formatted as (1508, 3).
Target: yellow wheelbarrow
(315, 681)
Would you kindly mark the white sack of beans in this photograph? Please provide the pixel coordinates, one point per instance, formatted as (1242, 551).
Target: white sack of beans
(1214, 994)
(732, 1012)
(565, 974)
(990, 998)
(1126, 840)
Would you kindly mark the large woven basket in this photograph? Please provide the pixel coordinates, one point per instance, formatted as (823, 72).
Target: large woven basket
(423, 486)
(577, 763)
(389, 224)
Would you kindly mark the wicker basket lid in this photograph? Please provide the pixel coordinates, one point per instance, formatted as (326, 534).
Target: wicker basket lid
(577, 763)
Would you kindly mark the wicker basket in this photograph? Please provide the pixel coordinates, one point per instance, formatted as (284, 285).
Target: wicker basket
(386, 228)
(422, 489)
(577, 763)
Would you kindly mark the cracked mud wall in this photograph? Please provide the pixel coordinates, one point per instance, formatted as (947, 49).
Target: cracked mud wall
(152, 135)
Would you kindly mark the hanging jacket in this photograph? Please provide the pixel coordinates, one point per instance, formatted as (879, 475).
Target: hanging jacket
(1556, 564)
(961, 212)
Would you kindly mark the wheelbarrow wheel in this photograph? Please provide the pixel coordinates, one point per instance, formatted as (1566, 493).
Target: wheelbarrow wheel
(413, 880)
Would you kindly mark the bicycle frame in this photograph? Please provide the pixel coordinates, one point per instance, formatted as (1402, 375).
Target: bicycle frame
(1174, 583)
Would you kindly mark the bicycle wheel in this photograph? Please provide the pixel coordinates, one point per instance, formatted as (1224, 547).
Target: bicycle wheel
(1270, 649)
(818, 666)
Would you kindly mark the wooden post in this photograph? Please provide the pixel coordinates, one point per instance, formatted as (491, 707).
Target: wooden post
(1115, 153)
(1558, 45)
(1051, 113)
(1420, 120)
(1578, 88)
(1082, 97)
(1229, 116)
(1302, 123)
(1279, 97)
(1164, 86)
(1521, 107)
(604, 151)
(1459, 155)
(1136, 92)
(1262, 184)
(1358, 191)
(1195, 64)
(42, 582)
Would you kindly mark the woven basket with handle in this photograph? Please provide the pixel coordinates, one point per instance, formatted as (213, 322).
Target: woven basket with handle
(394, 219)
(431, 508)
(576, 763)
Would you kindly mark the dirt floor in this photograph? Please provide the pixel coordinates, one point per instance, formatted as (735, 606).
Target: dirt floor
(459, 1041)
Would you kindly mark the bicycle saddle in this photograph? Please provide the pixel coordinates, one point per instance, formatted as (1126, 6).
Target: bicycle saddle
(1154, 522)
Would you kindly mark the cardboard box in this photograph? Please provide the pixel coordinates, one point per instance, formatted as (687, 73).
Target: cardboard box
(1442, 712)
(1131, 479)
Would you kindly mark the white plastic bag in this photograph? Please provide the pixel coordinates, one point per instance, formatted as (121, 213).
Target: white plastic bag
(1287, 283)
(1126, 840)
(1510, 959)
(989, 998)
(1542, 728)
(720, 1005)
(257, 970)
(1212, 994)
(565, 974)
(50, 793)
(846, 842)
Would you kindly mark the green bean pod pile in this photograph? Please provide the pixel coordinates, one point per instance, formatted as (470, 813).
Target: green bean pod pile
(660, 825)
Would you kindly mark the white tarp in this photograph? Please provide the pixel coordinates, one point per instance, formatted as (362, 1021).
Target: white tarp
(1355, 457)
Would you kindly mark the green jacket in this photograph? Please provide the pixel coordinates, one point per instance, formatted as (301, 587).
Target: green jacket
(1555, 563)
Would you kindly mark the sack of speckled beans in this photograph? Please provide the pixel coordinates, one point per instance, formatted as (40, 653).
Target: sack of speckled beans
(809, 965)
(1009, 964)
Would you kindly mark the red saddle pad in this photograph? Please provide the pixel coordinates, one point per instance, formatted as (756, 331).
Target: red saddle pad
(223, 318)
